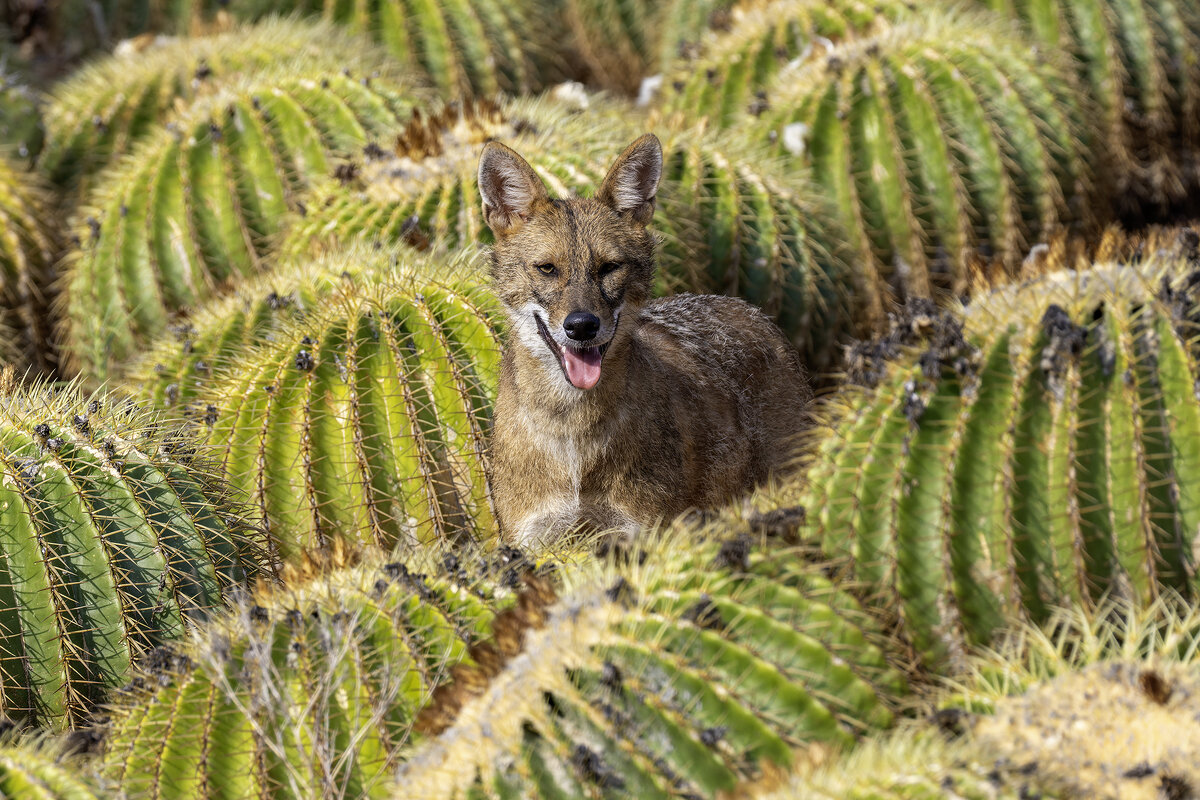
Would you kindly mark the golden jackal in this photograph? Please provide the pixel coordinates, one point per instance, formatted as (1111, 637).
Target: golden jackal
(615, 411)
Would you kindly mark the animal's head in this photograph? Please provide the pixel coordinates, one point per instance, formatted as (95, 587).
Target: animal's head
(569, 271)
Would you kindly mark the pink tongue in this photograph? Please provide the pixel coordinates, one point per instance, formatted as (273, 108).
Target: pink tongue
(583, 366)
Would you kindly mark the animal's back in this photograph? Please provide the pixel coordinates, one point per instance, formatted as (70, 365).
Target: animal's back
(732, 349)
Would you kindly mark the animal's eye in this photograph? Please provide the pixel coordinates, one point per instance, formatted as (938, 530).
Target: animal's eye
(547, 269)
(609, 266)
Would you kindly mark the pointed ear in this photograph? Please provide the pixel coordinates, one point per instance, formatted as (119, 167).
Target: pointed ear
(632, 183)
(509, 187)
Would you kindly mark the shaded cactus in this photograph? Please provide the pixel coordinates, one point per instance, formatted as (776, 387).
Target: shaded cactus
(936, 140)
(103, 109)
(28, 248)
(1039, 447)
(368, 417)
(310, 690)
(21, 128)
(683, 674)
(617, 40)
(116, 538)
(476, 48)
(731, 222)
(1138, 60)
(195, 207)
(727, 74)
(33, 770)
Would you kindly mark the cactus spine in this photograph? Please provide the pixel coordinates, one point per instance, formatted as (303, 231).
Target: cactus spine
(702, 666)
(369, 416)
(32, 770)
(28, 247)
(115, 540)
(194, 208)
(936, 140)
(1040, 448)
(309, 691)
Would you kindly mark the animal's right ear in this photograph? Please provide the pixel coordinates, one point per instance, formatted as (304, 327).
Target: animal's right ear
(509, 187)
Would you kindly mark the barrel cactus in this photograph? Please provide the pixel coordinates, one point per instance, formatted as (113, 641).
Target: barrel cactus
(116, 538)
(684, 671)
(1138, 60)
(309, 690)
(725, 75)
(1035, 447)
(21, 128)
(103, 109)
(476, 48)
(368, 417)
(938, 139)
(44, 770)
(28, 248)
(730, 220)
(195, 206)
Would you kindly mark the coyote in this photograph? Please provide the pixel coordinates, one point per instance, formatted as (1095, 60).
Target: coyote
(615, 411)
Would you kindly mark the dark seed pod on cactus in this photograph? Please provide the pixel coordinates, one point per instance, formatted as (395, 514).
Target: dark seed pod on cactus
(1136, 58)
(1036, 447)
(103, 109)
(477, 48)
(682, 671)
(28, 248)
(727, 73)
(367, 417)
(936, 140)
(117, 538)
(731, 221)
(194, 207)
(45, 770)
(310, 690)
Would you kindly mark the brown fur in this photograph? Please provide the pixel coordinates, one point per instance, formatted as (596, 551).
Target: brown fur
(699, 397)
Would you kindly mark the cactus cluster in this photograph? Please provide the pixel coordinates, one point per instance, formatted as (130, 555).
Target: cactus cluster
(367, 417)
(108, 106)
(310, 690)
(116, 538)
(689, 669)
(196, 206)
(28, 247)
(1035, 447)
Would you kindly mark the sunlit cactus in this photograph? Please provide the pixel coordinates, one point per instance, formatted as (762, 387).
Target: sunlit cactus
(685, 670)
(938, 139)
(45, 770)
(28, 248)
(726, 74)
(195, 207)
(1038, 446)
(477, 48)
(103, 109)
(117, 537)
(367, 417)
(310, 690)
(731, 221)
(1137, 59)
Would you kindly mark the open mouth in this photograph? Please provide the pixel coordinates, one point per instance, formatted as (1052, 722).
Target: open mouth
(581, 365)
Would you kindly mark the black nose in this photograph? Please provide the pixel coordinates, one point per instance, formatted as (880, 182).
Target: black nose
(581, 325)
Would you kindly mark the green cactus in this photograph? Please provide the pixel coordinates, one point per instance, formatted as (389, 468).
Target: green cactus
(617, 40)
(684, 671)
(731, 222)
(180, 365)
(28, 247)
(21, 128)
(1040, 447)
(309, 690)
(1138, 60)
(44, 770)
(938, 139)
(727, 74)
(103, 109)
(195, 207)
(115, 539)
(369, 416)
(479, 47)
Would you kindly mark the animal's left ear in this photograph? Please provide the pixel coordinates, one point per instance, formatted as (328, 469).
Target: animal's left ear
(632, 182)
